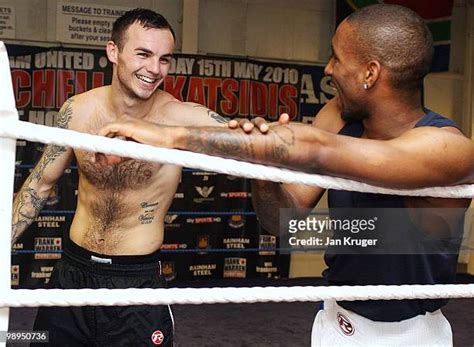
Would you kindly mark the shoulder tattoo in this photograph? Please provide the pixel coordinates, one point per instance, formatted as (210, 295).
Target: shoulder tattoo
(52, 152)
(65, 114)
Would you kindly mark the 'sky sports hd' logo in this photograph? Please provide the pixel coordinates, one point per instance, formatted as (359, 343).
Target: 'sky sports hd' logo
(238, 195)
(203, 220)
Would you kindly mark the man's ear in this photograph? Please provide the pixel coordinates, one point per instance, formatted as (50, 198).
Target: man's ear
(372, 73)
(112, 52)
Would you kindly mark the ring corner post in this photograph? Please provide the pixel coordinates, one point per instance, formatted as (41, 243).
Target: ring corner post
(7, 154)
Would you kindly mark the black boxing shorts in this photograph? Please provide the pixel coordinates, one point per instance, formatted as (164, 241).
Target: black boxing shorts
(144, 325)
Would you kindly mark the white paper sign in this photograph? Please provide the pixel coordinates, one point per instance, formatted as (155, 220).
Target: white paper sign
(7, 22)
(86, 23)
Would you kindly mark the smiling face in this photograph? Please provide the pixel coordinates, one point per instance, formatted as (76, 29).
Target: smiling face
(143, 62)
(347, 73)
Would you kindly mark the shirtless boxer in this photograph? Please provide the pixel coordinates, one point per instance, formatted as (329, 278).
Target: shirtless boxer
(117, 230)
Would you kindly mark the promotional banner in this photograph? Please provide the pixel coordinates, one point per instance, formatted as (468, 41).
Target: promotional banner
(236, 88)
(211, 230)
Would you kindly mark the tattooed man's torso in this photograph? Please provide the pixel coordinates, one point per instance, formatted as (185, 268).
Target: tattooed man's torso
(120, 207)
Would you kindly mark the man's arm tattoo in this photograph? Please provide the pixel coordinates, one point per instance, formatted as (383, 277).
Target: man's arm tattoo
(217, 117)
(274, 146)
(52, 152)
(27, 210)
(220, 144)
(65, 114)
(27, 207)
(214, 115)
(279, 143)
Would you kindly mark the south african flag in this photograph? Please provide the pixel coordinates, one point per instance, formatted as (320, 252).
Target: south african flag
(436, 13)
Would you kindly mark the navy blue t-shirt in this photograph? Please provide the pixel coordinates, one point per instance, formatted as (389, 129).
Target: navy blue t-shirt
(410, 267)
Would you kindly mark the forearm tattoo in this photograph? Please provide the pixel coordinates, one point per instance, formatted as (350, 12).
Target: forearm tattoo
(28, 202)
(220, 143)
(277, 146)
(52, 152)
(27, 206)
(274, 146)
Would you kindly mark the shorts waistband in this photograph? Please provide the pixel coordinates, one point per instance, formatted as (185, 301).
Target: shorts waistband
(140, 264)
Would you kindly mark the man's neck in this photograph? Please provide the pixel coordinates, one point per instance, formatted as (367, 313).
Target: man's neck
(391, 118)
(124, 105)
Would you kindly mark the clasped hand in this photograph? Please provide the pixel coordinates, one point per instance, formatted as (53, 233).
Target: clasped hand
(129, 128)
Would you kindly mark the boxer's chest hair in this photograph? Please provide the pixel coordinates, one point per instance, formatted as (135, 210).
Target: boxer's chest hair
(129, 174)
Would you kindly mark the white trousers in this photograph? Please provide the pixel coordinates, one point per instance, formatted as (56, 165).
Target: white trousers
(335, 326)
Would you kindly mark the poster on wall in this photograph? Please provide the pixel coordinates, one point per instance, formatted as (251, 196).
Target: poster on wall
(211, 230)
(236, 87)
(7, 22)
(86, 23)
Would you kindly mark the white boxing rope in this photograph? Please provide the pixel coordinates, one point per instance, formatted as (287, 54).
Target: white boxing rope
(11, 128)
(145, 296)
(64, 137)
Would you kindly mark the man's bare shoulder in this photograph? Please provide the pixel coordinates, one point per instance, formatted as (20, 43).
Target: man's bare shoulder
(432, 133)
(164, 109)
(429, 139)
(446, 145)
(162, 99)
(83, 107)
(178, 113)
(329, 117)
(91, 97)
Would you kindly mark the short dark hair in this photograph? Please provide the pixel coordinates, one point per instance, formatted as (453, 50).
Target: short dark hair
(398, 38)
(147, 18)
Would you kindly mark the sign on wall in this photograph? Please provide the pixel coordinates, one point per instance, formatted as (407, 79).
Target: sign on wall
(86, 23)
(7, 22)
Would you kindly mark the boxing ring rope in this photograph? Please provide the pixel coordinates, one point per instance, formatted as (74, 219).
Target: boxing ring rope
(11, 128)
(64, 137)
(226, 295)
